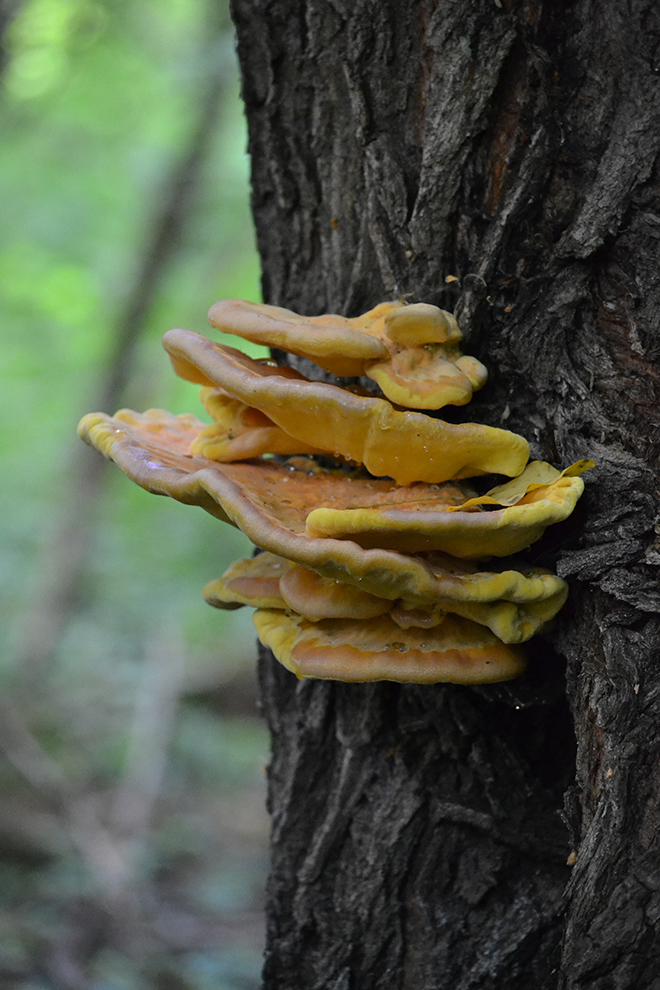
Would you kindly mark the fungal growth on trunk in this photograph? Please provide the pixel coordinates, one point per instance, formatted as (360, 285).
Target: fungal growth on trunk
(379, 560)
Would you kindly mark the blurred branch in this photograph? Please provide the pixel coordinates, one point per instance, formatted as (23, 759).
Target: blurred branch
(151, 732)
(64, 560)
(23, 752)
(111, 852)
(8, 11)
(76, 810)
(176, 207)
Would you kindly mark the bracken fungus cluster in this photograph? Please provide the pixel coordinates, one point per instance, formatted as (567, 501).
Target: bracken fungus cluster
(372, 554)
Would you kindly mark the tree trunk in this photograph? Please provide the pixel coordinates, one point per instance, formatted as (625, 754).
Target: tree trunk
(421, 833)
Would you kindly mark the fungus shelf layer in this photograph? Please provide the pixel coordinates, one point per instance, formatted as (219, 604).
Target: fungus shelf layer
(512, 604)
(415, 526)
(377, 649)
(406, 446)
(410, 351)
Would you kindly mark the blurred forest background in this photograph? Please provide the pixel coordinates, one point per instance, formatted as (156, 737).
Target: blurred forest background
(132, 823)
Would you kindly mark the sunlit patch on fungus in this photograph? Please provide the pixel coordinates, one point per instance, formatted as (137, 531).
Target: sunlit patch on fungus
(363, 576)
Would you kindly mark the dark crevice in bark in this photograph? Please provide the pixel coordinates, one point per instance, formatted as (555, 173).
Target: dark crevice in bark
(65, 560)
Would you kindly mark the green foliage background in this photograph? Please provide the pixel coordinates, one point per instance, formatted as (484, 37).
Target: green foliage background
(147, 691)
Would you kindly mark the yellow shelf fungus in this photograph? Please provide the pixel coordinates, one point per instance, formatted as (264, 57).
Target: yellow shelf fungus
(253, 581)
(424, 368)
(363, 576)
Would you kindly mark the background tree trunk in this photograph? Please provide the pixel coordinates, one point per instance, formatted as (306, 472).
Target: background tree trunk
(418, 837)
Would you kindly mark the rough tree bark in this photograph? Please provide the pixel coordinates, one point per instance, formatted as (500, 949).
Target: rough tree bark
(421, 834)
